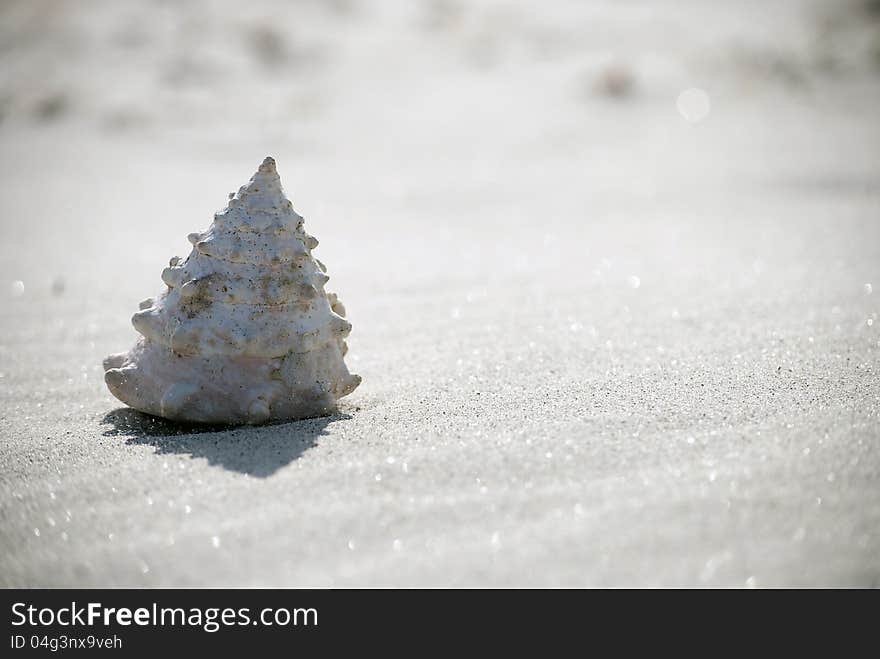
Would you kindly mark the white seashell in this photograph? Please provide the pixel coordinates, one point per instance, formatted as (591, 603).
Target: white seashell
(244, 332)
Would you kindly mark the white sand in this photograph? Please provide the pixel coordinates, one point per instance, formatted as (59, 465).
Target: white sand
(528, 415)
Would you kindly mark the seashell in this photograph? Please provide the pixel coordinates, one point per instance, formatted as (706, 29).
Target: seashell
(244, 332)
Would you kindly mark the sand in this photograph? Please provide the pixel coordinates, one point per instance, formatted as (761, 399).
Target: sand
(608, 346)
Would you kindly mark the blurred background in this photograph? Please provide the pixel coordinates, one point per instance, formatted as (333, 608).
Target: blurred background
(611, 265)
(415, 114)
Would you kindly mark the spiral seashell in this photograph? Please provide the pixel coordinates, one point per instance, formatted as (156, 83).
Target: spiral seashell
(244, 332)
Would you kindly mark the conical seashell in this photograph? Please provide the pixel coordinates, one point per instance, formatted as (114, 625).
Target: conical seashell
(244, 332)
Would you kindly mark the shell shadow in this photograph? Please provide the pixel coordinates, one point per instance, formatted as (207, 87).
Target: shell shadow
(257, 451)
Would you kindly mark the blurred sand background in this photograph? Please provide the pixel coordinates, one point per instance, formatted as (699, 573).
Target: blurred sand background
(611, 332)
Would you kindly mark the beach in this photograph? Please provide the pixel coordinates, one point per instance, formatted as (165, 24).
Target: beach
(610, 334)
